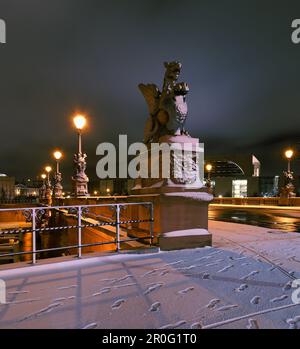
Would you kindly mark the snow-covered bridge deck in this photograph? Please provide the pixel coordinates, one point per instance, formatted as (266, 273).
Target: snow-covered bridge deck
(243, 281)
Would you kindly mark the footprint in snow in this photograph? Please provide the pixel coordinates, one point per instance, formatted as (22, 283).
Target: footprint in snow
(196, 326)
(67, 287)
(252, 324)
(153, 288)
(121, 279)
(227, 307)
(118, 303)
(239, 258)
(214, 263)
(59, 299)
(90, 326)
(108, 280)
(149, 273)
(173, 263)
(102, 291)
(187, 268)
(252, 273)
(155, 306)
(293, 322)
(124, 285)
(225, 268)
(287, 286)
(279, 299)
(204, 257)
(241, 288)
(205, 276)
(213, 303)
(186, 290)
(255, 300)
(173, 326)
(18, 292)
(214, 253)
(42, 311)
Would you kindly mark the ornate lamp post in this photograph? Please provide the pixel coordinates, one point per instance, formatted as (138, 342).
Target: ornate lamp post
(58, 188)
(42, 191)
(288, 188)
(208, 169)
(80, 178)
(48, 195)
(289, 154)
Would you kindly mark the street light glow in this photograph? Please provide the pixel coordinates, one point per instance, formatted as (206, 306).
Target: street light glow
(57, 155)
(48, 169)
(289, 153)
(43, 176)
(208, 167)
(79, 121)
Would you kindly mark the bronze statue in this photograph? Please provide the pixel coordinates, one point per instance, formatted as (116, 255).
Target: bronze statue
(168, 109)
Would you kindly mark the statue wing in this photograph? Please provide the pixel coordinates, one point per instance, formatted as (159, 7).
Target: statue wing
(151, 94)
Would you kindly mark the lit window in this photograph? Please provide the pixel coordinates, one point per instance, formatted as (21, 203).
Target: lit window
(239, 188)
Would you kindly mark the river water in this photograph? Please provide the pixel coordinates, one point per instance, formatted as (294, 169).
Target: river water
(287, 220)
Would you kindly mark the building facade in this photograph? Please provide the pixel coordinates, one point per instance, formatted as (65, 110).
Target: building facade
(7, 188)
(240, 176)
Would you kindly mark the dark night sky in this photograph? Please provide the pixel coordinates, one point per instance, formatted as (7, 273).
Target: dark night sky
(89, 55)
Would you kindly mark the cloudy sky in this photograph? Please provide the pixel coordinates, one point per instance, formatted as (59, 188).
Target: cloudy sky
(89, 55)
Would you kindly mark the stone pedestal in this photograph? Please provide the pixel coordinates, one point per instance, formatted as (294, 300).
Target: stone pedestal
(184, 220)
(182, 208)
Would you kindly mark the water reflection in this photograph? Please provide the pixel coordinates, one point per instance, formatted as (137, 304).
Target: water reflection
(274, 219)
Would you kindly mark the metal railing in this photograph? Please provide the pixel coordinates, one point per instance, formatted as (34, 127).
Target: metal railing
(39, 219)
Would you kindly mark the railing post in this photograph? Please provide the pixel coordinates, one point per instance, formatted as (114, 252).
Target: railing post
(151, 224)
(117, 228)
(79, 232)
(33, 236)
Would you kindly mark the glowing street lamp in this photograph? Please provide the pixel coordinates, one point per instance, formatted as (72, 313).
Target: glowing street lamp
(80, 178)
(48, 191)
(289, 153)
(208, 169)
(58, 178)
(42, 190)
(48, 169)
(80, 123)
